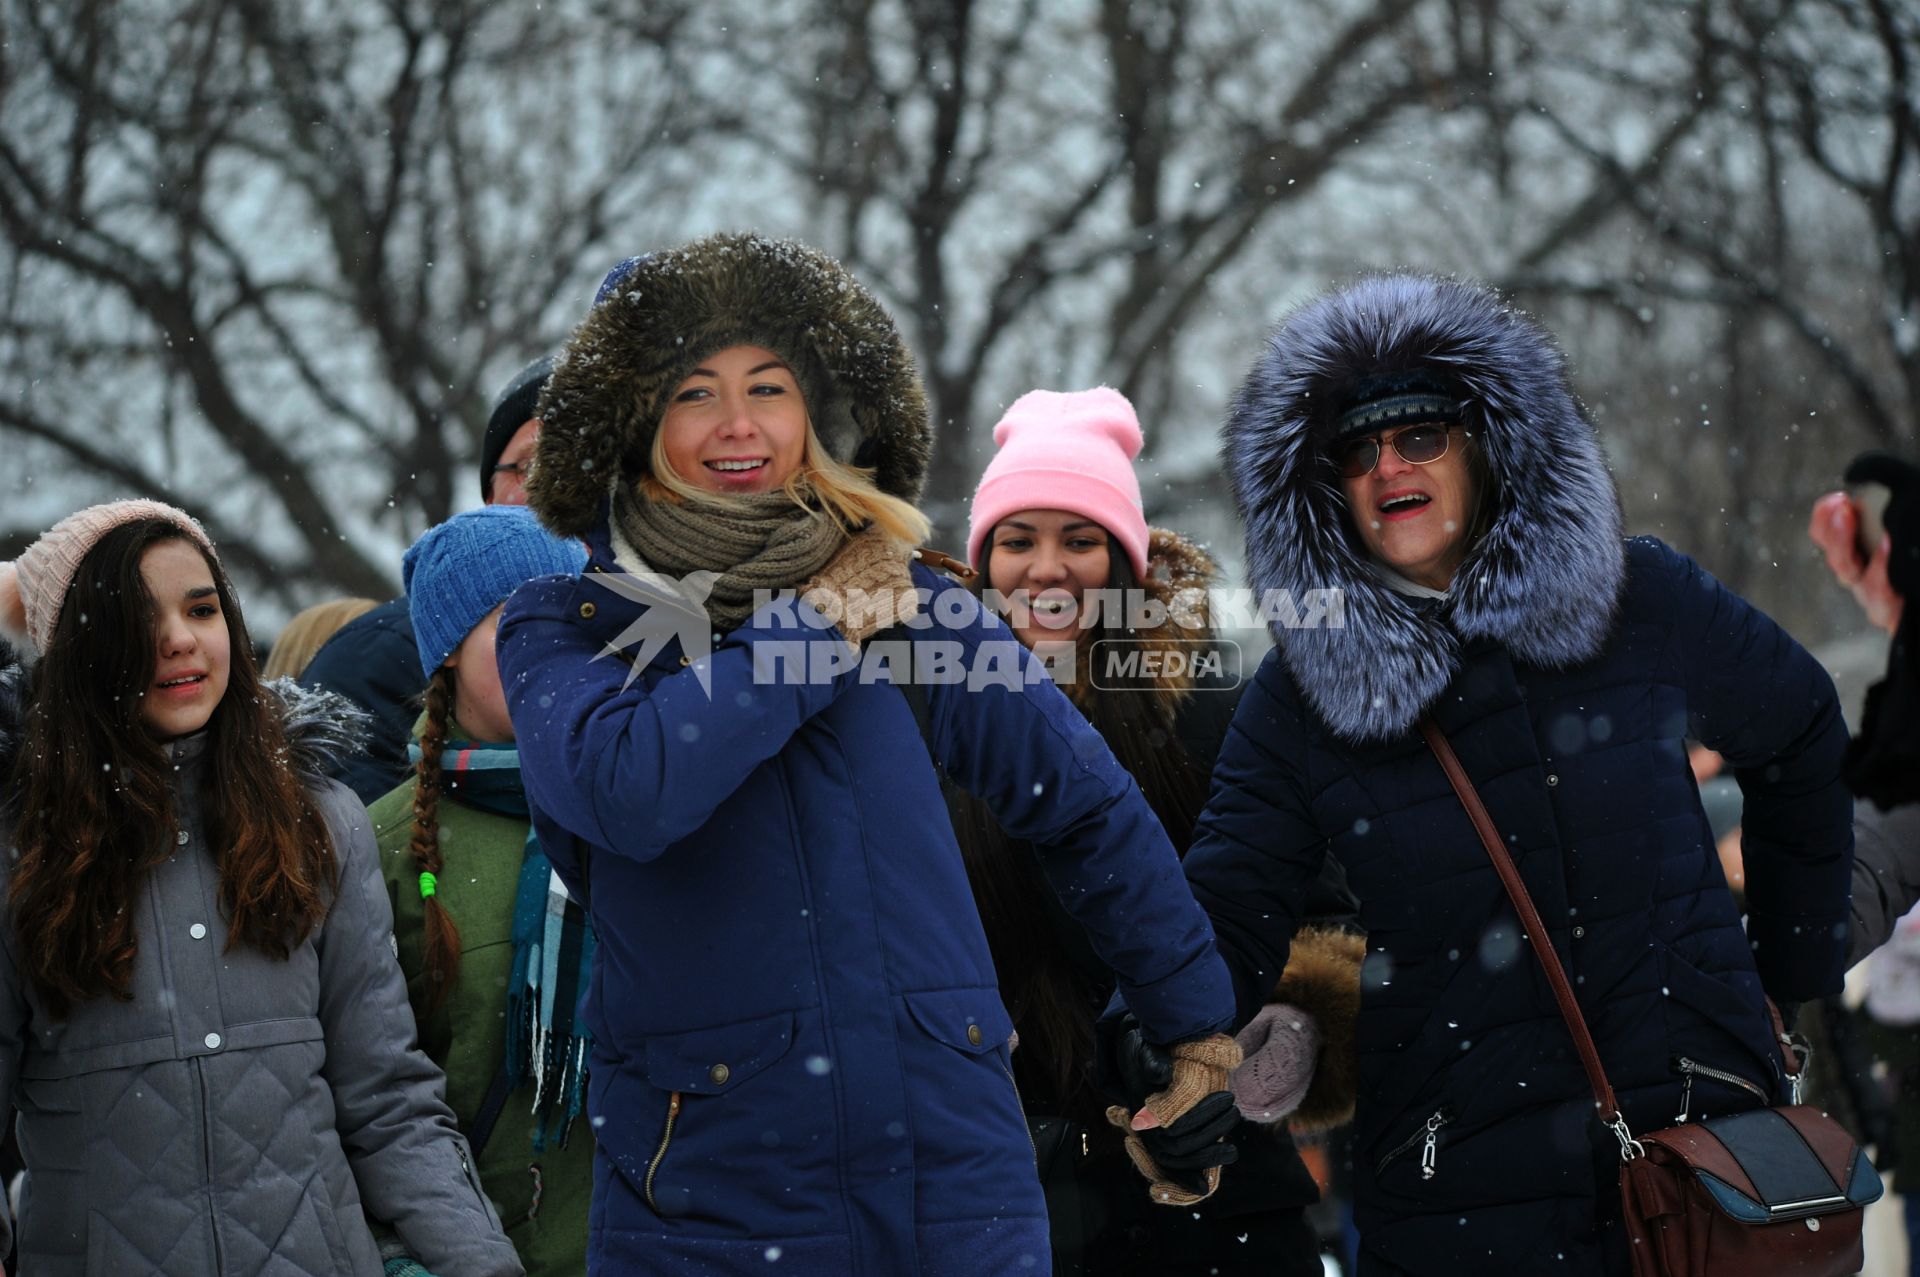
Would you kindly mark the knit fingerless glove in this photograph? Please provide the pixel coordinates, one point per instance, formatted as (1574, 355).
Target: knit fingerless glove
(865, 588)
(1200, 1070)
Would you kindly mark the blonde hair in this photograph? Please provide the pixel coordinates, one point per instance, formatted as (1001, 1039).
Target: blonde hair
(845, 492)
(307, 632)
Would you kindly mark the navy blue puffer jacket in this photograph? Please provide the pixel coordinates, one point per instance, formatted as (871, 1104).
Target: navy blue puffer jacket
(1568, 667)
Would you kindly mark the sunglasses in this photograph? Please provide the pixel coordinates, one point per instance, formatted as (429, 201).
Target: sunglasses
(1419, 445)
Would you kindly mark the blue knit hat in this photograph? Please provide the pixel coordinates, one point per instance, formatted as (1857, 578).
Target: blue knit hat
(462, 569)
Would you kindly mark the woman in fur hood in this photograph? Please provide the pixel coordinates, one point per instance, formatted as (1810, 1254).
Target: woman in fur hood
(202, 1026)
(1119, 613)
(799, 1050)
(1414, 443)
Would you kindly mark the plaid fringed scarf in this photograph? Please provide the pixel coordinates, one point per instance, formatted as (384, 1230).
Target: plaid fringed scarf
(547, 1043)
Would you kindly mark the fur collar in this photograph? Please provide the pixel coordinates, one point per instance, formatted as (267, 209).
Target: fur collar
(1543, 581)
(667, 311)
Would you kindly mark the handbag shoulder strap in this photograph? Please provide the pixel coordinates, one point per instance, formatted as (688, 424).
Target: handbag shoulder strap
(1536, 931)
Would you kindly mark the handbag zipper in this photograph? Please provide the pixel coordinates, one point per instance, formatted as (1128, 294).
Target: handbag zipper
(1427, 1138)
(1689, 1069)
(666, 1138)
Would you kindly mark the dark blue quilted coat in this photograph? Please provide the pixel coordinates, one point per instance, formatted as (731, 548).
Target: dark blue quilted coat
(1568, 668)
(801, 1059)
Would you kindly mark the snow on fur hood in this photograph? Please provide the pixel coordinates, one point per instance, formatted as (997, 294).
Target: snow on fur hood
(1545, 578)
(662, 313)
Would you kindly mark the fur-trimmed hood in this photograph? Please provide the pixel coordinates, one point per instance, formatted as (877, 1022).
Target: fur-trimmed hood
(1543, 580)
(322, 727)
(660, 315)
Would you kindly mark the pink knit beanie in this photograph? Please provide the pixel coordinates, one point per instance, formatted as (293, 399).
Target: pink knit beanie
(1071, 451)
(34, 587)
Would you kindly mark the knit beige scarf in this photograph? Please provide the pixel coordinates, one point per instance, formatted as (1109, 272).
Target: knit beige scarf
(758, 542)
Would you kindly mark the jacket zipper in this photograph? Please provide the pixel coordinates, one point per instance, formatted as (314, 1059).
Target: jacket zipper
(1688, 1070)
(466, 1169)
(206, 1153)
(666, 1138)
(1427, 1138)
(1021, 1105)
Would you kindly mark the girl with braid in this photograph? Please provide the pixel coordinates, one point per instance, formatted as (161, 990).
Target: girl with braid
(494, 953)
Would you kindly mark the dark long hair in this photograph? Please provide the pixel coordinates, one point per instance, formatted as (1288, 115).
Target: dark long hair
(1053, 1000)
(93, 807)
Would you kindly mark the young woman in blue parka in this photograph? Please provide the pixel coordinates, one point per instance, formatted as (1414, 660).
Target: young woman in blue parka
(800, 1053)
(1414, 443)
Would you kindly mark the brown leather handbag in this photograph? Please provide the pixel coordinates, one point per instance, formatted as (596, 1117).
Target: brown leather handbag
(1779, 1190)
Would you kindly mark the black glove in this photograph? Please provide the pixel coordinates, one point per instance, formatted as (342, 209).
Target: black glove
(1186, 1148)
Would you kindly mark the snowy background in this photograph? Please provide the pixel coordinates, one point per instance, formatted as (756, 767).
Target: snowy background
(270, 259)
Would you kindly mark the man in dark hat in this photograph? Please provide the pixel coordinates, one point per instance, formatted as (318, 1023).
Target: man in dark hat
(373, 660)
(506, 451)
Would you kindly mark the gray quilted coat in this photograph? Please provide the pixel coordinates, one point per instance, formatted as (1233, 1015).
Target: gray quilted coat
(240, 1115)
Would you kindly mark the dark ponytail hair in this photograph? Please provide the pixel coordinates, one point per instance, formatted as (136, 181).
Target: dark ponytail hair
(442, 965)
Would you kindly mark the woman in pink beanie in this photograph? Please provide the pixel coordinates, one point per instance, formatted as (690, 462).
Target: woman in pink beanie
(203, 1029)
(1061, 545)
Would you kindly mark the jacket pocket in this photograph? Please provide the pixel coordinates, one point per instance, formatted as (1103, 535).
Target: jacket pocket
(971, 1021)
(660, 1153)
(1425, 1140)
(1713, 1022)
(696, 1074)
(1713, 1083)
(715, 1061)
(960, 1093)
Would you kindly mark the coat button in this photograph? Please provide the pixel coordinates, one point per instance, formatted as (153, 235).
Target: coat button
(1552, 780)
(198, 931)
(974, 1035)
(180, 838)
(587, 610)
(1579, 932)
(719, 1074)
(213, 1041)
(685, 661)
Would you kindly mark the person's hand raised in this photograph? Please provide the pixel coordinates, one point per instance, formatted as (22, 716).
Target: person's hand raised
(1835, 528)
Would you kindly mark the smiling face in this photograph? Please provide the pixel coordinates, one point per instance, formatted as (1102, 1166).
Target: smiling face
(737, 424)
(1045, 561)
(192, 645)
(1415, 518)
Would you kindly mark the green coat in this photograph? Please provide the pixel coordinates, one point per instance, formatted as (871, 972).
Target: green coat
(467, 1037)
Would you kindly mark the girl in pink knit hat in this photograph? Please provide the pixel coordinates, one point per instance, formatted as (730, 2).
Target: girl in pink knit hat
(1060, 543)
(203, 1029)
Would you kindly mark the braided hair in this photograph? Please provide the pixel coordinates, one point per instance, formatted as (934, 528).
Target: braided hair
(442, 965)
